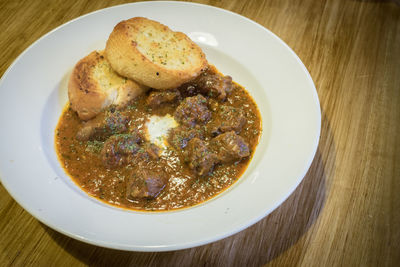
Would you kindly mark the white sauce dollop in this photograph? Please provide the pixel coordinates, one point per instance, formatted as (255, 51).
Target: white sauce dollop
(157, 129)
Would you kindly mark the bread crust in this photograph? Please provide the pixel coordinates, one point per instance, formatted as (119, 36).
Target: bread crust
(93, 86)
(152, 54)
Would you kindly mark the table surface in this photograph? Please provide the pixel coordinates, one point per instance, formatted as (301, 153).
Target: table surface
(346, 212)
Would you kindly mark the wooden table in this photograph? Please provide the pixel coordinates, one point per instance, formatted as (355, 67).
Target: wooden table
(346, 212)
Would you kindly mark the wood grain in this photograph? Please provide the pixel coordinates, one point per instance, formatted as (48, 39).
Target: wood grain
(346, 212)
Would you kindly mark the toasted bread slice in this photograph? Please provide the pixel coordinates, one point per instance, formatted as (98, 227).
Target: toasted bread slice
(152, 54)
(94, 85)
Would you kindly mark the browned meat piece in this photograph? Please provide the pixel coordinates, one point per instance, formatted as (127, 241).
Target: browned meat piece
(148, 151)
(230, 147)
(210, 84)
(189, 89)
(179, 137)
(199, 157)
(153, 151)
(228, 119)
(157, 98)
(119, 149)
(193, 110)
(145, 184)
(214, 85)
(102, 126)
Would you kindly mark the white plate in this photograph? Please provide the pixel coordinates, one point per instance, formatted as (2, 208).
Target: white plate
(33, 93)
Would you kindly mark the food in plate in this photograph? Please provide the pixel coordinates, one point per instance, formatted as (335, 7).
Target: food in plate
(94, 85)
(166, 148)
(152, 54)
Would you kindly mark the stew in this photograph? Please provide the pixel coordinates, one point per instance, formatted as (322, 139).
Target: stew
(216, 128)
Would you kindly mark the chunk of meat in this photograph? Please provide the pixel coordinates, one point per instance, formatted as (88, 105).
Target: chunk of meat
(210, 84)
(145, 184)
(229, 119)
(230, 147)
(156, 98)
(153, 151)
(179, 136)
(200, 159)
(192, 111)
(103, 126)
(189, 89)
(214, 85)
(148, 151)
(119, 149)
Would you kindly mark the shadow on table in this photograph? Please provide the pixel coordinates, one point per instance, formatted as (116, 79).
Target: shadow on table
(259, 244)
